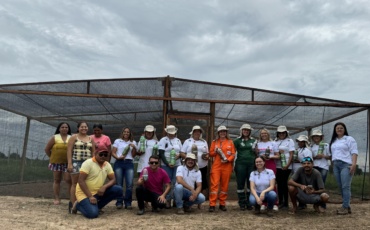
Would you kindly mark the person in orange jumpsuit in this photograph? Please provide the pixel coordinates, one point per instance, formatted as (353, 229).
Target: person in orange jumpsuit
(222, 167)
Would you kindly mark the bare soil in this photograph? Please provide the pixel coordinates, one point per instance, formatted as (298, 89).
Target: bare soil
(29, 206)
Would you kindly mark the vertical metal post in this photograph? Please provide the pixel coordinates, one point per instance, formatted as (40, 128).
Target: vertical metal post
(166, 94)
(24, 152)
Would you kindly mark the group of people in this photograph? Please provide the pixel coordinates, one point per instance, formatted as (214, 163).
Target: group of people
(175, 174)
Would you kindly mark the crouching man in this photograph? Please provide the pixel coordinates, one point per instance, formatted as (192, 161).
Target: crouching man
(187, 176)
(150, 186)
(91, 192)
(307, 186)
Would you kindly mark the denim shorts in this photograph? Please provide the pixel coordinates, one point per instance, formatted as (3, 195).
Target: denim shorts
(76, 166)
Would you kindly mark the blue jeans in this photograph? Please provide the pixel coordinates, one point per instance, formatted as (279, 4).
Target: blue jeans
(171, 172)
(90, 210)
(124, 170)
(182, 194)
(270, 198)
(344, 178)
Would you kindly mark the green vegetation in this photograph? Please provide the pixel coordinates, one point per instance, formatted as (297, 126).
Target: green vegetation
(34, 170)
(357, 184)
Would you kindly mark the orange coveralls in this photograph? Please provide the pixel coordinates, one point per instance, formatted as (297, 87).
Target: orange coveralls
(221, 172)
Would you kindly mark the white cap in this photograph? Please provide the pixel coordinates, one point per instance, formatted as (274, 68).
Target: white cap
(149, 128)
(316, 132)
(282, 128)
(246, 126)
(171, 129)
(222, 127)
(196, 127)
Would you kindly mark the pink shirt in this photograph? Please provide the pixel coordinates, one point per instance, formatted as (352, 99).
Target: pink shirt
(156, 180)
(102, 143)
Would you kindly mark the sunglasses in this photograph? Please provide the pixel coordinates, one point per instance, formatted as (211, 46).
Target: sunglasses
(153, 162)
(103, 154)
(306, 159)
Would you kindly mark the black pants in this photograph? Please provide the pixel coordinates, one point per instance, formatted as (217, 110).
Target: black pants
(282, 177)
(143, 194)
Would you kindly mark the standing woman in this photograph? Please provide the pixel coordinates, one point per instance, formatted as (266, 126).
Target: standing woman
(244, 164)
(166, 144)
(56, 150)
(124, 151)
(302, 152)
(265, 145)
(202, 153)
(262, 184)
(320, 159)
(344, 153)
(223, 151)
(150, 141)
(102, 142)
(80, 148)
(286, 147)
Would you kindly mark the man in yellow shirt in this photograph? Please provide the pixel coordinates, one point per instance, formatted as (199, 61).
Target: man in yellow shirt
(91, 192)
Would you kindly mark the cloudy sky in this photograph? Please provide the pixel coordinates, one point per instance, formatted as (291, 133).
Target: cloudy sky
(318, 48)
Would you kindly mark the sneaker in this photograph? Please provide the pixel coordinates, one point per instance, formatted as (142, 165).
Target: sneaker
(222, 208)
(275, 208)
(269, 212)
(72, 208)
(180, 211)
(168, 204)
(212, 209)
(119, 206)
(187, 209)
(263, 208)
(343, 211)
(128, 207)
(140, 212)
(257, 210)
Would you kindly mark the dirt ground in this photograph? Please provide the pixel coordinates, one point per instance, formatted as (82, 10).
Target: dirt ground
(30, 208)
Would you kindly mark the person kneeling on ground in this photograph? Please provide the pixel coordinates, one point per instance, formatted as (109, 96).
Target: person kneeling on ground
(150, 186)
(187, 176)
(262, 184)
(307, 186)
(91, 192)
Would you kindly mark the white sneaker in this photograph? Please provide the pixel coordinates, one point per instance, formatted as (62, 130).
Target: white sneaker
(275, 208)
(263, 208)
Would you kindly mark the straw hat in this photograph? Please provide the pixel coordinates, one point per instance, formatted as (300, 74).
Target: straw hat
(246, 126)
(171, 129)
(282, 128)
(316, 132)
(149, 128)
(222, 127)
(196, 127)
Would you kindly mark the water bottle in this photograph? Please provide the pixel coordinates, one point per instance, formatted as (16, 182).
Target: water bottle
(142, 144)
(267, 152)
(295, 155)
(321, 148)
(145, 174)
(194, 149)
(125, 150)
(222, 155)
(155, 150)
(282, 160)
(172, 157)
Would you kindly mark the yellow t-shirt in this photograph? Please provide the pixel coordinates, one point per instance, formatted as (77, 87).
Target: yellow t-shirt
(59, 150)
(96, 177)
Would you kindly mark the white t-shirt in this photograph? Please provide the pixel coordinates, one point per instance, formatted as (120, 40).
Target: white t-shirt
(189, 176)
(121, 145)
(262, 146)
(262, 180)
(343, 149)
(144, 159)
(202, 148)
(302, 153)
(167, 145)
(287, 145)
(321, 163)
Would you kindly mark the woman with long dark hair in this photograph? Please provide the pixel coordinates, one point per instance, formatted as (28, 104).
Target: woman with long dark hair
(344, 153)
(56, 150)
